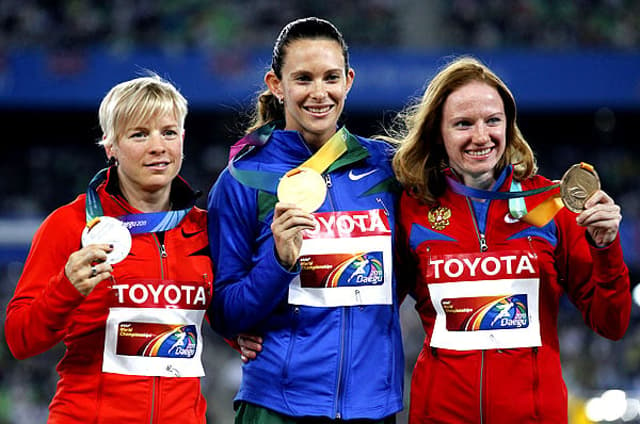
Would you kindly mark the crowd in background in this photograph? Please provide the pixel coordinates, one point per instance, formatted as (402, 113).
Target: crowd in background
(167, 24)
(49, 172)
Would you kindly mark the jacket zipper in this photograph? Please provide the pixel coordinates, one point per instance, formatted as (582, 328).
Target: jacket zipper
(162, 250)
(386, 211)
(329, 184)
(536, 383)
(482, 242)
(154, 398)
(481, 237)
(481, 386)
(343, 330)
(156, 380)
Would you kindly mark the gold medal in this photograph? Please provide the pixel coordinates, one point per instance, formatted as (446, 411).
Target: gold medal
(578, 184)
(108, 230)
(303, 187)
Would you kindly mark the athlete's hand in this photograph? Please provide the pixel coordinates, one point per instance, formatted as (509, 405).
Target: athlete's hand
(288, 224)
(250, 345)
(601, 217)
(86, 267)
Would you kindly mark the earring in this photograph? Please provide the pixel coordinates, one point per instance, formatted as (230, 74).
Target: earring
(281, 100)
(112, 161)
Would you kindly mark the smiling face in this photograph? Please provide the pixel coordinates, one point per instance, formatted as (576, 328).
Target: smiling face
(149, 155)
(473, 130)
(313, 87)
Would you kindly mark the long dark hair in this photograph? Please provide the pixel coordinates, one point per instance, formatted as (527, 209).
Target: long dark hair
(267, 107)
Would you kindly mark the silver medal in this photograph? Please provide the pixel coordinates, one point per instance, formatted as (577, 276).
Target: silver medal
(109, 230)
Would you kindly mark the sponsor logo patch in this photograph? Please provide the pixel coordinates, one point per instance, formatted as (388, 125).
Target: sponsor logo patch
(486, 312)
(156, 340)
(190, 234)
(356, 177)
(351, 270)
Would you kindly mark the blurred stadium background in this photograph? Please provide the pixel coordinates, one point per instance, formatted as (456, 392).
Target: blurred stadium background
(574, 68)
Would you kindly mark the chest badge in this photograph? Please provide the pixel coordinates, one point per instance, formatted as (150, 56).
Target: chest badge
(439, 217)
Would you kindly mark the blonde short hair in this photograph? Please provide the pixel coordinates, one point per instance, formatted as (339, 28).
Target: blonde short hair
(137, 100)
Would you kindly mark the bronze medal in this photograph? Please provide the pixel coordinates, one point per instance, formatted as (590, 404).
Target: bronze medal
(303, 187)
(578, 184)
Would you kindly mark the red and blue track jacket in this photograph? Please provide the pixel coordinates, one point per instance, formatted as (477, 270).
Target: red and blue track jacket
(488, 290)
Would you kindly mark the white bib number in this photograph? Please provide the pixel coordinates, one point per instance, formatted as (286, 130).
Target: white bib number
(346, 261)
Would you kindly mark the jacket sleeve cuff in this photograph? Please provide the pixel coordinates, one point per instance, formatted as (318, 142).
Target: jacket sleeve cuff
(295, 269)
(608, 261)
(61, 299)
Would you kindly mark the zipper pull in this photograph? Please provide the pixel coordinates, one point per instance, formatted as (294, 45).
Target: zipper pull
(386, 211)
(483, 243)
(327, 180)
(163, 251)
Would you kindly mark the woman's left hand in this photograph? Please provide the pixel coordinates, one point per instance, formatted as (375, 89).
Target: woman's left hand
(601, 217)
(250, 346)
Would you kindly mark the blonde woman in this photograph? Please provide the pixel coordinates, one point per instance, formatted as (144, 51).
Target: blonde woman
(122, 274)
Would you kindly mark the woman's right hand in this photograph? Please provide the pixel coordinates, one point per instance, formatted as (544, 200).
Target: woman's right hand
(87, 267)
(288, 224)
(250, 345)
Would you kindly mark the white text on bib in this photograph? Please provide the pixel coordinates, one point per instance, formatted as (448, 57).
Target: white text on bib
(485, 300)
(346, 261)
(154, 328)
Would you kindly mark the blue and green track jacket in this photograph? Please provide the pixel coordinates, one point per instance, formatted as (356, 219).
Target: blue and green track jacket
(341, 362)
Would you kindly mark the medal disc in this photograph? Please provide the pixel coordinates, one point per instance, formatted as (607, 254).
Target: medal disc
(305, 188)
(577, 185)
(109, 230)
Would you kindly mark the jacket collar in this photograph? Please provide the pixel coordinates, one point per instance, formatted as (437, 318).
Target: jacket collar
(182, 196)
(289, 146)
(503, 179)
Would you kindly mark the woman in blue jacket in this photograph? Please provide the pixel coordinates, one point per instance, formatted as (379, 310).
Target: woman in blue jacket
(301, 229)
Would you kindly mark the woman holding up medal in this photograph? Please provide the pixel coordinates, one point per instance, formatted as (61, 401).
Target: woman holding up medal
(301, 227)
(122, 275)
(492, 250)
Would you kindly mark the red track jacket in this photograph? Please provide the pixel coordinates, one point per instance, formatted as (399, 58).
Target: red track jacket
(47, 309)
(493, 355)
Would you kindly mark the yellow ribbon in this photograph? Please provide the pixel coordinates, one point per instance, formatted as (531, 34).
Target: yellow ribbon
(335, 147)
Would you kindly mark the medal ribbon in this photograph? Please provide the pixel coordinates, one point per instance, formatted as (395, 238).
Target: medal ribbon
(267, 181)
(539, 216)
(261, 180)
(136, 223)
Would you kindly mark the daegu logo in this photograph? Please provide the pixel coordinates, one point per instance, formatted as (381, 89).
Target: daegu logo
(508, 312)
(178, 343)
(133, 224)
(486, 313)
(361, 270)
